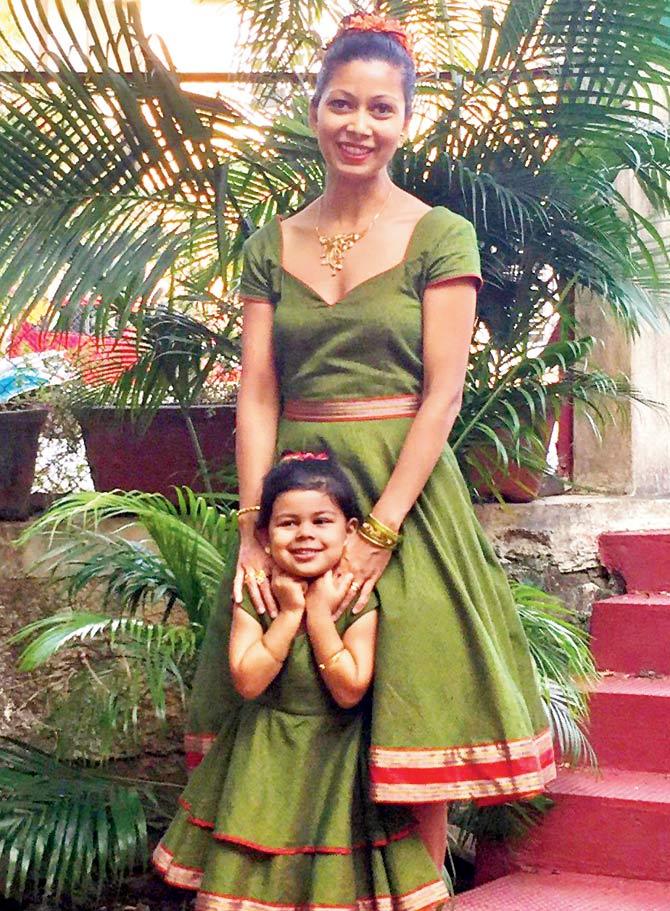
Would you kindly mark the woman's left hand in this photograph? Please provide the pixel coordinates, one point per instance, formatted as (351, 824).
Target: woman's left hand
(366, 563)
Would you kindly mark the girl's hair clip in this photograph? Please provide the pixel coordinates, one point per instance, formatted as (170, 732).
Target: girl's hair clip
(304, 456)
(372, 22)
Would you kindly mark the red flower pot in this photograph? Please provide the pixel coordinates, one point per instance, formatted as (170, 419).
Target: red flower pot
(123, 454)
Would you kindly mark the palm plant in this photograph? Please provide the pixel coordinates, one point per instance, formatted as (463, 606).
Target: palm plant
(67, 830)
(116, 184)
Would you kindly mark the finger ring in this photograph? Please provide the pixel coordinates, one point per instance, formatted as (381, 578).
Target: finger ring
(355, 586)
(261, 576)
(251, 574)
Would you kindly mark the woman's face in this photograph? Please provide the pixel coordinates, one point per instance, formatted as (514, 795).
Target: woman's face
(307, 532)
(360, 118)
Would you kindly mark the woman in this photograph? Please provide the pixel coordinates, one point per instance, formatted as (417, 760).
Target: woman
(358, 315)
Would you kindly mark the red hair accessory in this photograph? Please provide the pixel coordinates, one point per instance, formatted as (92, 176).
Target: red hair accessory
(305, 456)
(373, 22)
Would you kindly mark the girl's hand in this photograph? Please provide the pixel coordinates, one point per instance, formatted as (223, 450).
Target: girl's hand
(364, 563)
(326, 592)
(251, 561)
(289, 592)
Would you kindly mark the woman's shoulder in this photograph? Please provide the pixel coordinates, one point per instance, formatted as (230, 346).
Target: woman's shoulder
(263, 240)
(445, 220)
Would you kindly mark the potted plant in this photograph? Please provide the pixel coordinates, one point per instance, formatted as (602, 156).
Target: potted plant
(158, 411)
(22, 417)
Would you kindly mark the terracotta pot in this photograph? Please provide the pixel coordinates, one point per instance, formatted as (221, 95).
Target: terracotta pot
(122, 454)
(516, 483)
(19, 438)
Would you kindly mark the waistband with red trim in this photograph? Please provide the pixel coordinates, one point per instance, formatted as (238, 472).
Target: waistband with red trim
(371, 409)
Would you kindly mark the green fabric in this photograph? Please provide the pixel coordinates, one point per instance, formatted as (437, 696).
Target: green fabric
(278, 810)
(453, 667)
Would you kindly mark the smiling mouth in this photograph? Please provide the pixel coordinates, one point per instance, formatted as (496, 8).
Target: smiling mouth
(354, 151)
(304, 554)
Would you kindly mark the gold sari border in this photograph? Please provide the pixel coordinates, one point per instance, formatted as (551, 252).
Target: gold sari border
(367, 409)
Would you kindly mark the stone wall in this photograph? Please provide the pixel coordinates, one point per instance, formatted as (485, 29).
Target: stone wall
(553, 542)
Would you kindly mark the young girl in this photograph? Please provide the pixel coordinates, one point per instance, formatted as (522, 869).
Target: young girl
(278, 814)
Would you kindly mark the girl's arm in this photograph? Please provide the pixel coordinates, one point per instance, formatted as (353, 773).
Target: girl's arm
(346, 664)
(255, 435)
(257, 657)
(448, 320)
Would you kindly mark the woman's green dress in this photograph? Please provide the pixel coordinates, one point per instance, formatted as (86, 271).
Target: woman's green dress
(456, 711)
(278, 813)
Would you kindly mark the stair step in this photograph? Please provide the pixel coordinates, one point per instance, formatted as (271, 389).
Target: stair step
(641, 557)
(631, 633)
(612, 822)
(629, 727)
(565, 892)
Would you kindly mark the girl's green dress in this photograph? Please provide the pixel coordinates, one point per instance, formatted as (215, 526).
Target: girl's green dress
(278, 813)
(456, 712)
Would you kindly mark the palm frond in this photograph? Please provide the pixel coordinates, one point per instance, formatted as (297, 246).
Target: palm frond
(64, 829)
(51, 634)
(195, 540)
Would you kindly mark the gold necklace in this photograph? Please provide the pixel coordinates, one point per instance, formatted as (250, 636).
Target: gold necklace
(334, 247)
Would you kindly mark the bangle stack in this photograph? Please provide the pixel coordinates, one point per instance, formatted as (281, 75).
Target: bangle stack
(375, 532)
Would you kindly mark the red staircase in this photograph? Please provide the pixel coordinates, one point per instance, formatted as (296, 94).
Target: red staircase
(605, 846)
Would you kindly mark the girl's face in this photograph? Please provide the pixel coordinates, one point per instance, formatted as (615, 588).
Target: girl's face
(307, 532)
(360, 117)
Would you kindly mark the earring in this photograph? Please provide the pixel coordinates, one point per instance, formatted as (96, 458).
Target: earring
(267, 548)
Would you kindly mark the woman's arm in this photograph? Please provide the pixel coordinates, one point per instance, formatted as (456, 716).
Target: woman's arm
(255, 436)
(346, 664)
(448, 320)
(256, 657)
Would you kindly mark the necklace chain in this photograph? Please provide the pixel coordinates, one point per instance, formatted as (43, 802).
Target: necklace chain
(334, 246)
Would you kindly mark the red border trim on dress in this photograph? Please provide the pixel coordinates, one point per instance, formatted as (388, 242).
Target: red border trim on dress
(303, 849)
(451, 278)
(487, 773)
(175, 874)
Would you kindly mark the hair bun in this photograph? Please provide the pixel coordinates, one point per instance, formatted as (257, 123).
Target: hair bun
(373, 22)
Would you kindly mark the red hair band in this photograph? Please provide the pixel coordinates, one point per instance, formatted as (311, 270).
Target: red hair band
(305, 456)
(373, 22)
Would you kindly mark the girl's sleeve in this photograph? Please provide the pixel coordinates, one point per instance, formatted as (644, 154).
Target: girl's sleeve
(247, 606)
(455, 253)
(372, 605)
(256, 282)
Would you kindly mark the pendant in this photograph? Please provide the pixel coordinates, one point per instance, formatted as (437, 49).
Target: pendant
(333, 249)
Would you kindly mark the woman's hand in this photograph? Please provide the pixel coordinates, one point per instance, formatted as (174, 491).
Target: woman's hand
(365, 563)
(326, 593)
(289, 592)
(251, 561)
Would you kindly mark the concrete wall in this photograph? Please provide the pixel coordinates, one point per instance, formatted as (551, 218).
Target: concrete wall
(634, 456)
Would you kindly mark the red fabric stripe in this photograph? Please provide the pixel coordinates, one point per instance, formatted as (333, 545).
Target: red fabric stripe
(193, 759)
(317, 905)
(476, 771)
(451, 278)
(304, 849)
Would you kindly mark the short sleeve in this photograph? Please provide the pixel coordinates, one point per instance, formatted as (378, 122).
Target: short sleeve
(247, 606)
(257, 281)
(372, 605)
(454, 253)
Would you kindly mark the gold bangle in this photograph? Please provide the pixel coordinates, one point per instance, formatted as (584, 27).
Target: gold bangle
(332, 660)
(267, 648)
(241, 512)
(377, 533)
